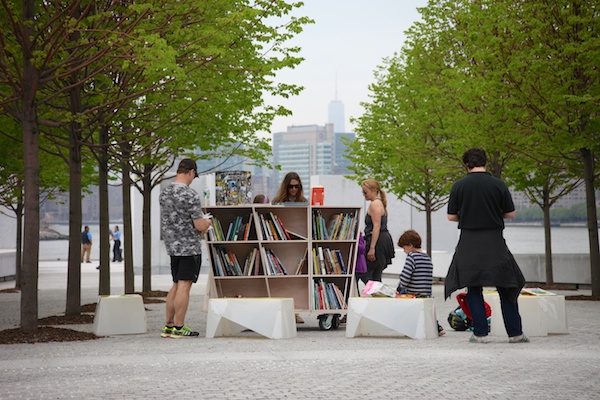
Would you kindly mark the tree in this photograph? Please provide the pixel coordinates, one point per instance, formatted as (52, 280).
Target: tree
(546, 55)
(399, 143)
(543, 184)
(60, 50)
(226, 57)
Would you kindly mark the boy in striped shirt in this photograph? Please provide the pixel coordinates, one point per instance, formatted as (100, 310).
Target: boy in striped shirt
(417, 275)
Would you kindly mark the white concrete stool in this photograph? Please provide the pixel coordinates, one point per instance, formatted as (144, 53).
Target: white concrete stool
(372, 316)
(540, 315)
(120, 314)
(269, 316)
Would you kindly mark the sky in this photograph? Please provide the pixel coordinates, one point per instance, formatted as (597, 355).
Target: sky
(347, 42)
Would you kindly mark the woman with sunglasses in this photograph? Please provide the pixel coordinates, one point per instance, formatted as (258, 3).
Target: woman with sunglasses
(378, 241)
(290, 190)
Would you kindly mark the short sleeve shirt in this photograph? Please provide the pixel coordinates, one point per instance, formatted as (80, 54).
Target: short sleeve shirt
(179, 207)
(480, 200)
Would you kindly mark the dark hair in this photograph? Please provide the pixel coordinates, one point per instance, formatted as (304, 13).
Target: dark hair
(474, 157)
(260, 198)
(283, 194)
(410, 237)
(186, 165)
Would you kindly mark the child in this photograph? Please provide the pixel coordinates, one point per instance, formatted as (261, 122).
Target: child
(417, 274)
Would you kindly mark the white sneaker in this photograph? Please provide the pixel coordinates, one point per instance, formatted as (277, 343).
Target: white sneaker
(519, 339)
(478, 339)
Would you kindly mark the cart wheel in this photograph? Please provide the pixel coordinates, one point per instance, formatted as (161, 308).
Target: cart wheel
(328, 322)
(336, 321)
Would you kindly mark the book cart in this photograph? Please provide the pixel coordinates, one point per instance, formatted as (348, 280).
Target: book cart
(304, 252)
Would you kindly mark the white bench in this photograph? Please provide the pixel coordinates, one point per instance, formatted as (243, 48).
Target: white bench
(269, 316)
(376, 316)
(120, 314)
(540, 315)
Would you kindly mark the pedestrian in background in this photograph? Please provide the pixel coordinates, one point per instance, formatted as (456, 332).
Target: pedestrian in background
(86, 244)
(116, 236)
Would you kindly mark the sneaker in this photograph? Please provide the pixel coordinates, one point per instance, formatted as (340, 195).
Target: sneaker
(441, 331)
(519, 339)
(478, 339)
(185, 331)
(166, 331)
(299, 320)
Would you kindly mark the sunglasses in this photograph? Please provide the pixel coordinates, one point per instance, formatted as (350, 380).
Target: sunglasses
(293, 186)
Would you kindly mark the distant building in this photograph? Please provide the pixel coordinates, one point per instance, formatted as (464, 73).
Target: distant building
(304, 149)
(336, 116)
(577, 196)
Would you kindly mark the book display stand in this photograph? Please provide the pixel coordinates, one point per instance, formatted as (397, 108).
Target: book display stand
(307, 253)
(542, 313)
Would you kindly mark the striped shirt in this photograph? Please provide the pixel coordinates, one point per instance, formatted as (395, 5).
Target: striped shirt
(417, 274)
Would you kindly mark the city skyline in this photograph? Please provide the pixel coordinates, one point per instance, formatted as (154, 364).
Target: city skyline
(342, 49)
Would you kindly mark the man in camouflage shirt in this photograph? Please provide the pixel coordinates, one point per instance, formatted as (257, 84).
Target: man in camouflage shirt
(181, 224)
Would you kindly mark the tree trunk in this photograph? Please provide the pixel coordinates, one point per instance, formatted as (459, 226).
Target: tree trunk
(147, 232)
(31, 158)
(428, 224)
(592, 218)
(75, 227)
(104, 239)
(19, 249)
(127, 225)
(547, 235)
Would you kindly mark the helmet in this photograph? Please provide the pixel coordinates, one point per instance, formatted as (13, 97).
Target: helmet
(456, 322)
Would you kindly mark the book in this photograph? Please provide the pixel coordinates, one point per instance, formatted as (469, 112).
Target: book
(340, 259)
(322, 268)
(301, 263)
(536, 292)
(284, 232)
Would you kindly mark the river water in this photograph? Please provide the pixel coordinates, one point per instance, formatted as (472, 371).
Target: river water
(520, 240)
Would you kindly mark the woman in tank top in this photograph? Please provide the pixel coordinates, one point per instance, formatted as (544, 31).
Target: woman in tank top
(378, 241)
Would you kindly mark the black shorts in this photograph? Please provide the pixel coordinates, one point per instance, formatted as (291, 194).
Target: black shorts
(186, 268)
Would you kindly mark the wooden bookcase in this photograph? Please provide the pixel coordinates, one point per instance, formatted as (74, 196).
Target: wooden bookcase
(305, 277)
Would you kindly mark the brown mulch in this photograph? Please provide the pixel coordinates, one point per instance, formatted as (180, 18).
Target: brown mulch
(43, 334)
(46, 333)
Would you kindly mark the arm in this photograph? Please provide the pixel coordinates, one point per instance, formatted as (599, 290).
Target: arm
(453, 217)
(376, 211)
(406, 274)
(509, 215)
(202, 224)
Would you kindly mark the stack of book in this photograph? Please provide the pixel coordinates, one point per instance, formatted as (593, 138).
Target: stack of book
(328, 261)
(225, 263)
(271, 263)
(327, 296)
(272, 227)
(238, 229)
(340, 226)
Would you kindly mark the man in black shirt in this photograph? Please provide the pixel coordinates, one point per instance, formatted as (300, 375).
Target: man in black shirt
(479, 203)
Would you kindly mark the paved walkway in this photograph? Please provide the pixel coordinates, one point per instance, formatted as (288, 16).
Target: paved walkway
(314, 365)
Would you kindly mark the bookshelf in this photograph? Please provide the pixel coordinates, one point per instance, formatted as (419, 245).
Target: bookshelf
(303, 252)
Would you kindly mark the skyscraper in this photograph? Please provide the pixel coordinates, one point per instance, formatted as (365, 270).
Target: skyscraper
(335, 113)
(336, 116)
